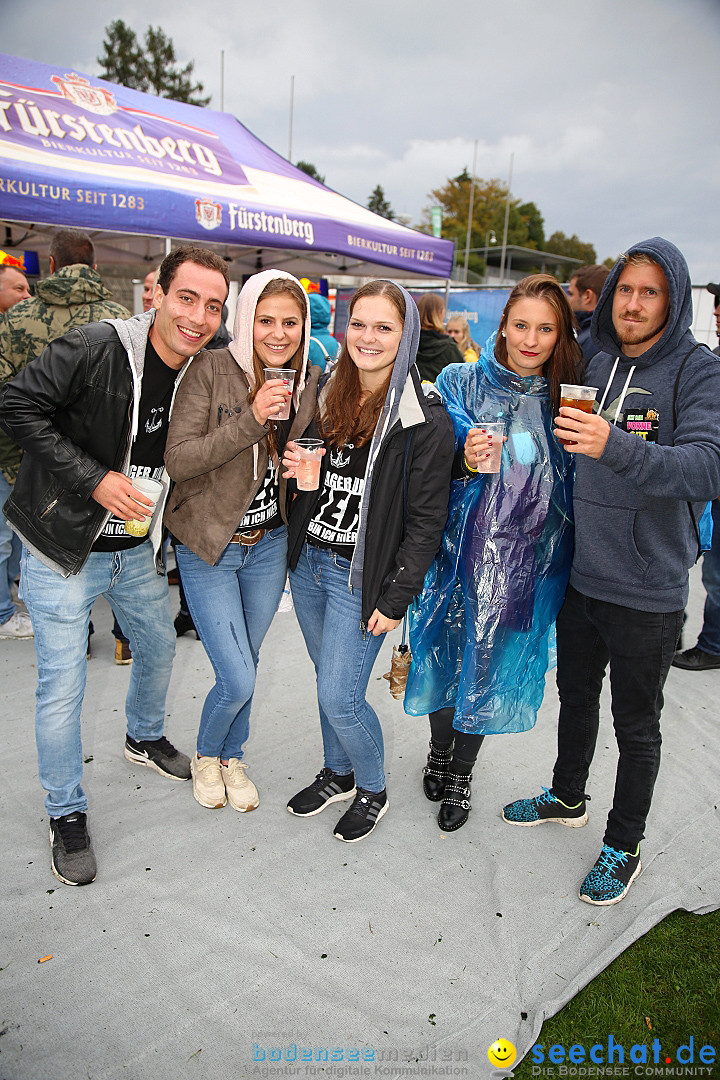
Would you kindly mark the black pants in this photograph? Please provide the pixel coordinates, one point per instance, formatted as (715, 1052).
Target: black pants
(465, 748)
(639, 646)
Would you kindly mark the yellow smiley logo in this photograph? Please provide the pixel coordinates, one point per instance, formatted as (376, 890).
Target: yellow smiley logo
(502, 1054)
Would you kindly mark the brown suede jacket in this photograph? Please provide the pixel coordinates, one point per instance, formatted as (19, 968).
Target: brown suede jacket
(217, 452)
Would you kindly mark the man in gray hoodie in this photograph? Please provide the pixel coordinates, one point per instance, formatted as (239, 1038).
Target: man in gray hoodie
(647, 462)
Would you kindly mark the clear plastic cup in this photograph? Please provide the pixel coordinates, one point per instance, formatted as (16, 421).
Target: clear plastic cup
(496, 430)
(288, 377)
(308, 470)
(151, 489)
(576, 397)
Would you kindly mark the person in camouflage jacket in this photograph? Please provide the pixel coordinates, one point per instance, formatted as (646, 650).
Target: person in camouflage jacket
(73, 295)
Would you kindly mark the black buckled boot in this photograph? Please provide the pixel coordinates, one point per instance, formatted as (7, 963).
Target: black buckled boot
(455, 809)
(436, 771)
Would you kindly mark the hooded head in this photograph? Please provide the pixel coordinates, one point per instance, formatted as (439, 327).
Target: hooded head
(320, 311)
(678, 316)
(242, 347)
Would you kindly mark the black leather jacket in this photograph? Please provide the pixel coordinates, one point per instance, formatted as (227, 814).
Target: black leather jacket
(71, 412)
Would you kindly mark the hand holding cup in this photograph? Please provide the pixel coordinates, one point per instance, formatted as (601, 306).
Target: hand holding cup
(483, 447)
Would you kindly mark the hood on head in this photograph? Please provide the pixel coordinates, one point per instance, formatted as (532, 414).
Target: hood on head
(319, 311)
(408, 347)
(680, 314)
(241, 346)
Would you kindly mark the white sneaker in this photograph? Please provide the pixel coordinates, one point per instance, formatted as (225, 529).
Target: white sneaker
(17, 626)
(208, 786)
(241, 792)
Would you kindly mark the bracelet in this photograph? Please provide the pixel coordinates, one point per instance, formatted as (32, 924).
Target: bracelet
(468, 466)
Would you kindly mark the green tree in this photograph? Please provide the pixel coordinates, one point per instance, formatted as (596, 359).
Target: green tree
(309, 168)
(152, 67)
(574, 248)
(122, 60)
(379, 204)
(525, 222)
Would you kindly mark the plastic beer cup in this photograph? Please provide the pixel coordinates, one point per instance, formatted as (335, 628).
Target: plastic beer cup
(576, 397)
(307, 473)
(151, 489)
(496, 430)
(287, 375)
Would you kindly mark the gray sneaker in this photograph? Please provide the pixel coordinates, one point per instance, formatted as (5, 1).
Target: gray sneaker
(160, 755)
(72, 861)
(17, 626)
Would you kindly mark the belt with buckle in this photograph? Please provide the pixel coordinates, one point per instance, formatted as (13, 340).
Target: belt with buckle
(248, 539)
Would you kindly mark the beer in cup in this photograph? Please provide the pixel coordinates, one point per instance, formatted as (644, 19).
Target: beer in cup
(151, 489)
(307, 473)
(496, 430)
(288, 377)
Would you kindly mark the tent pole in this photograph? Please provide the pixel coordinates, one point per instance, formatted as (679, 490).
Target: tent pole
(292, 104)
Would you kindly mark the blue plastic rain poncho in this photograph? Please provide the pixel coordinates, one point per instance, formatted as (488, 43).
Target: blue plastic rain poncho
(482, 631)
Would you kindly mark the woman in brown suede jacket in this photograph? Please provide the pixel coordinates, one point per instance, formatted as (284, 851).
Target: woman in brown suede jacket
(227, 512)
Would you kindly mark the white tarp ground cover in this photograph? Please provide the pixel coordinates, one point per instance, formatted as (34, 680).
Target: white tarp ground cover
(213, 943)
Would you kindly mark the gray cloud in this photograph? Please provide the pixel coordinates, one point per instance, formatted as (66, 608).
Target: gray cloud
(609, 109)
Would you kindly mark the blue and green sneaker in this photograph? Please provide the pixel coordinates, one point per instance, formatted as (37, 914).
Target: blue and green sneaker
(546, 807)
(611, 876)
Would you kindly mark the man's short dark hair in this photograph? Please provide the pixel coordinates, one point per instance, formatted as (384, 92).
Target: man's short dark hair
(198, 255)
(590, 277)
(71, 246)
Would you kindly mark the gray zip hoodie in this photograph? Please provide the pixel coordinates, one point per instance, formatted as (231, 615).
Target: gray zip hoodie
(634, 536)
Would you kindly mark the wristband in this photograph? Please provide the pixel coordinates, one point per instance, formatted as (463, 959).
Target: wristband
(468, 466)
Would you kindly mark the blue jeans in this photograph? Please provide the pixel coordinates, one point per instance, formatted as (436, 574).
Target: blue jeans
(639, 645)
(232, 605)
(709, 640)
(10, 548)
(60, 611)
(330, 615)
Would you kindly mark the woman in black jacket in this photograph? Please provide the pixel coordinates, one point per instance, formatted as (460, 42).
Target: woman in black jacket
(360, 545)
(436, 348)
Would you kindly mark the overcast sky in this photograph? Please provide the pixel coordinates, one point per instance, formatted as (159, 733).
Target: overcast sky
(612, 109)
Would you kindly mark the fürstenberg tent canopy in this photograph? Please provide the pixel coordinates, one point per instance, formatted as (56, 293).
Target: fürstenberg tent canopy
(75, 150)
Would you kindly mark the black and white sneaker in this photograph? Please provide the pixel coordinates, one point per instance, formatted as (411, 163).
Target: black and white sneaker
(72, 861)
(327, 787)
(158, 754)
(362, 817)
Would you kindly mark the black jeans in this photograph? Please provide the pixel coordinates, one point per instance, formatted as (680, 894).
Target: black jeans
(639, 646)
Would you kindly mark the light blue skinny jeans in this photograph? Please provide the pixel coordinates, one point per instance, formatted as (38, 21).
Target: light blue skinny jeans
(330, 615)
(60, 611)
(232, 605)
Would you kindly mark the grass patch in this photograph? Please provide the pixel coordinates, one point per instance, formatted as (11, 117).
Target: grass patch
(666, 986)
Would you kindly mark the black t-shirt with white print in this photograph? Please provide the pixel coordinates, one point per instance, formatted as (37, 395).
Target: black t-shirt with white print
(264, 511)
(335, 522)
(148, 450)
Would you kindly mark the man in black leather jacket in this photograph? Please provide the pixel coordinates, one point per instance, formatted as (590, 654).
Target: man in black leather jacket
(91, 413)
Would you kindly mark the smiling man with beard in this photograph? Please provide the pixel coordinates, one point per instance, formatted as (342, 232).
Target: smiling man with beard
(646, 463)
(91, 413)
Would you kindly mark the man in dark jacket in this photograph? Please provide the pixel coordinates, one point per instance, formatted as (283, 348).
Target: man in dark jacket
(584, 290)
(73, 295)
(91, 413)
(647, 462)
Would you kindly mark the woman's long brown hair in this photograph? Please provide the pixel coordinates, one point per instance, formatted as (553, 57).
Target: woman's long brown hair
(276, 287)
(344, 417)
(566, 363)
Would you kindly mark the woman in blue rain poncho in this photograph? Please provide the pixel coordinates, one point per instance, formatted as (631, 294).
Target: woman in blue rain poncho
(482, 630)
